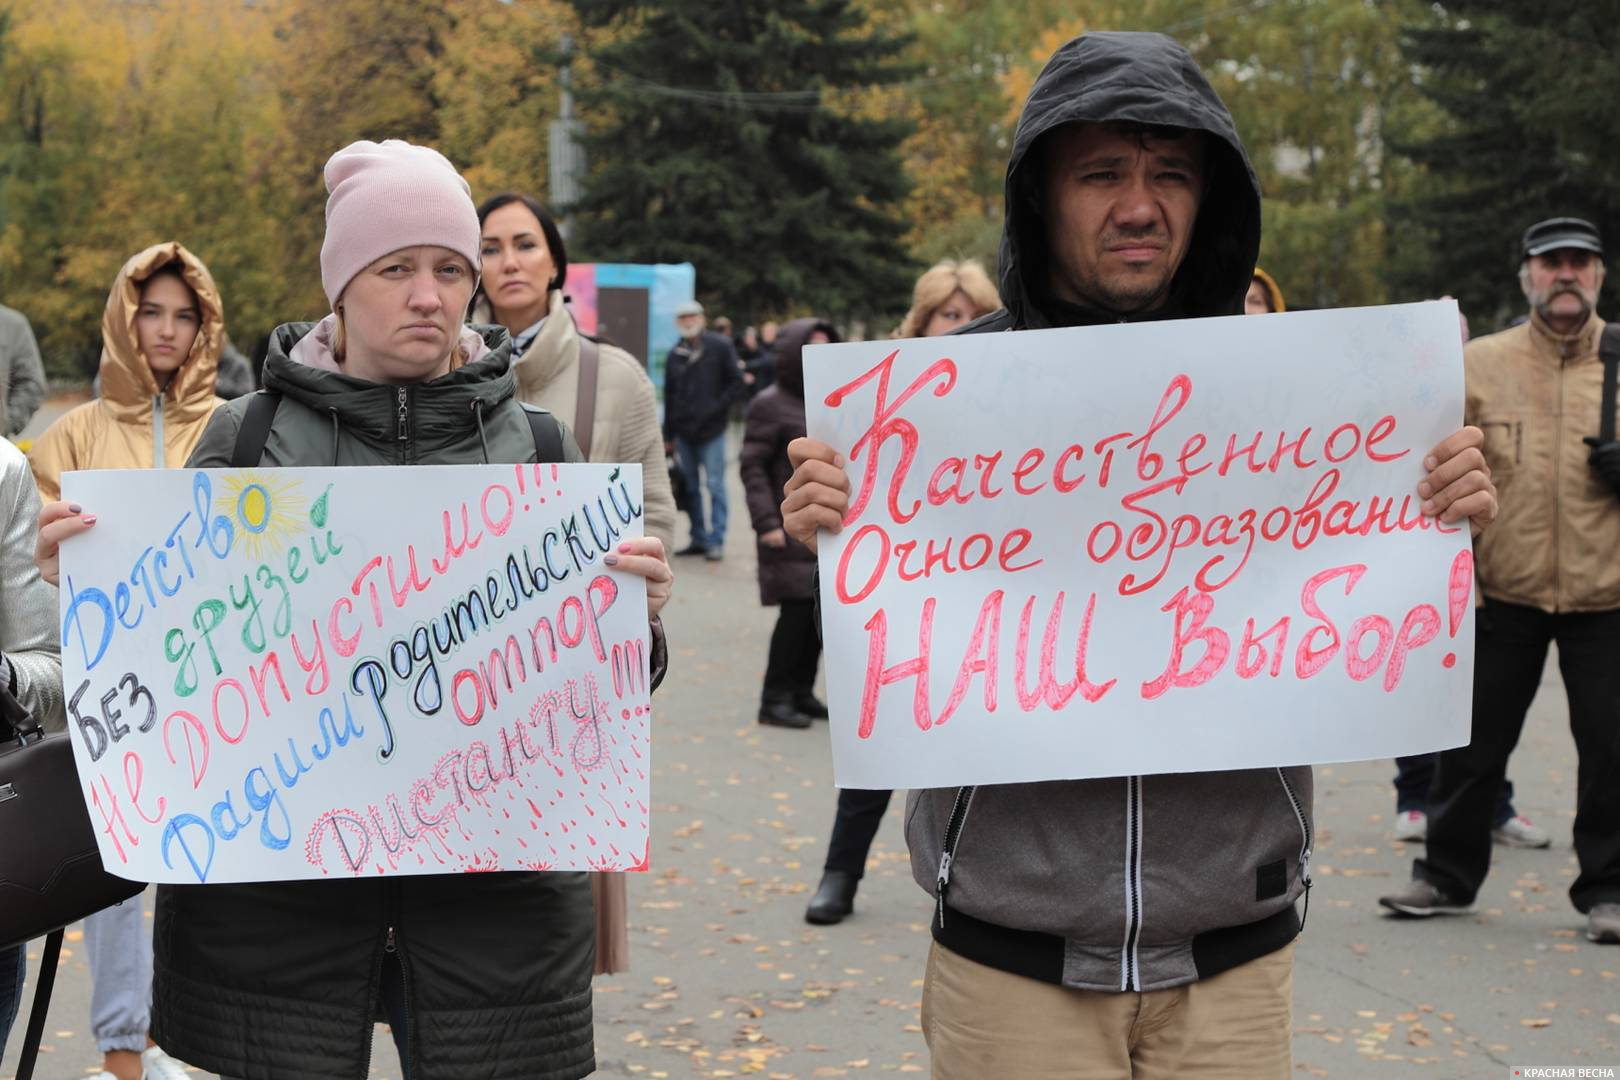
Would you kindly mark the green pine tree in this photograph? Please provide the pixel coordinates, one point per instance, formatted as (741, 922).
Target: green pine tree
(1525, 136)
(742, 137)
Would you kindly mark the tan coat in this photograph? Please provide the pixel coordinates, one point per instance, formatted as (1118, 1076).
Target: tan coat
(626, 426)
(133, 425)
(1555, 545)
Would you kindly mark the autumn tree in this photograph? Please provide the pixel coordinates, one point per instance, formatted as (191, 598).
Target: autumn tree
(1520, 139)
(123, 124)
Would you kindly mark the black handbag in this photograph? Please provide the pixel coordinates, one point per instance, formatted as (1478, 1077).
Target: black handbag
(50, 868)
(677, 487)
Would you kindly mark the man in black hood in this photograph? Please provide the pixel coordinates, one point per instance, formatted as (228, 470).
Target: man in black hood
(1136, 926)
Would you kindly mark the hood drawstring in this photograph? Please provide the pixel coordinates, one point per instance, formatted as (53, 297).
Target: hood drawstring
(333, 413)
(483, 441)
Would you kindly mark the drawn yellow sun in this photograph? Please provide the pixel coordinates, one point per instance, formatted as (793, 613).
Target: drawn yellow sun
(267, 508)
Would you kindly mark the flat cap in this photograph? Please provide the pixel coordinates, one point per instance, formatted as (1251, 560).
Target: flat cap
(1561, 232)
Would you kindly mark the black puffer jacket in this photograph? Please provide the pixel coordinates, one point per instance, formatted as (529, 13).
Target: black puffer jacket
(776, 418)
(280, 980)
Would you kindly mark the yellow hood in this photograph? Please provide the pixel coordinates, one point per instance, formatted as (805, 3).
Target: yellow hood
(127, 385)
(1271, 288)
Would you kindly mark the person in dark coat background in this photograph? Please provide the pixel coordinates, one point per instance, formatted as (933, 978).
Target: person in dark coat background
(786, 567)
(701, 380)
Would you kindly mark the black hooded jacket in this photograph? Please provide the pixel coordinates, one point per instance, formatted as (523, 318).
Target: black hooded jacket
(1129, 883)
(1139, 78)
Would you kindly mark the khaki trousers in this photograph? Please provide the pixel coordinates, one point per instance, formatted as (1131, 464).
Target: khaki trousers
(981, 1023)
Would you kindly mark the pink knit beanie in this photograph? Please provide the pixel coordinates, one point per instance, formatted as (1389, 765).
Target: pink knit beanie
(391, 195)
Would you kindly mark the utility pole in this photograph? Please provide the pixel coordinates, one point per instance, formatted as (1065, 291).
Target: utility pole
(565, 155)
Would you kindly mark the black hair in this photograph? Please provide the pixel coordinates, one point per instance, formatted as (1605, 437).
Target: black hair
(548, 227)
(177, 270)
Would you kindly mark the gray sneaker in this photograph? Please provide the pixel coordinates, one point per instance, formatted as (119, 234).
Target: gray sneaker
(1521, 832)
(1419, 899)
(1603, 924)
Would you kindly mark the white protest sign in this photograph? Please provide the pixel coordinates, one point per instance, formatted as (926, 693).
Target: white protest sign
(1146, 548)
(276, 674)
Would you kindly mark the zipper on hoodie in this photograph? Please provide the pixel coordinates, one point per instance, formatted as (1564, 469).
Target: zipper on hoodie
(953, 836)
(393, 951)
(1130, 967)
(404, 415)
(1305, 846)
(158, 459)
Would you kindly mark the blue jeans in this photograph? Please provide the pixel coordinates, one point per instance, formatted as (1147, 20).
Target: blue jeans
(711, 457)
(1415, 774)
(12, 966)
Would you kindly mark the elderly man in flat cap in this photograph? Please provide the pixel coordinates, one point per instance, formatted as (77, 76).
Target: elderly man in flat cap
(1549, 571)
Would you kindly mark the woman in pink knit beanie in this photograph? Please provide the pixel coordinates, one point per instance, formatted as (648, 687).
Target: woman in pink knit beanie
(479, 974)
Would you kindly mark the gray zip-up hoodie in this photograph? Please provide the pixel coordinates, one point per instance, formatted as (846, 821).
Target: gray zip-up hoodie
(1142, 882)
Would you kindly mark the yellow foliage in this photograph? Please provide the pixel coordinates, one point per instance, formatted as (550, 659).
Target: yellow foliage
(1019, 79)
(208, 122)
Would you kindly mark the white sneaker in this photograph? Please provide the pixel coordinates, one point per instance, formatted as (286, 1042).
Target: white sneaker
(156, 1065)
(1412, 825)
(1521, 832)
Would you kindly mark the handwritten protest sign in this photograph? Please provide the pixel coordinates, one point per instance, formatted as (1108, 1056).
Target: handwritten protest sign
(307, 673)
(1147, 548)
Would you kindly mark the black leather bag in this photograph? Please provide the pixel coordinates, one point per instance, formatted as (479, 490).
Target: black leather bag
(50, 868)
(677, 487)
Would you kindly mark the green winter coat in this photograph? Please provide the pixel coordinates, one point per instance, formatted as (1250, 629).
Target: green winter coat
(468, 417)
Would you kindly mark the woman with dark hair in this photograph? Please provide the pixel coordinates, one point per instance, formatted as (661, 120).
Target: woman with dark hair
(558, 367)
(600, 390)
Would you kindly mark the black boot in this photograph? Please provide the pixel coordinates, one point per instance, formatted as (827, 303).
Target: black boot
(834, 899)
(806, 702)
(776, 709)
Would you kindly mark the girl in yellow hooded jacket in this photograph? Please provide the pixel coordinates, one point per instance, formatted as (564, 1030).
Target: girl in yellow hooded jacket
(161, 337)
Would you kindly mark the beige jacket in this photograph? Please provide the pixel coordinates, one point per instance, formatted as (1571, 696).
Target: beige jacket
(1555, 545)
(626, 426)
(133, 425)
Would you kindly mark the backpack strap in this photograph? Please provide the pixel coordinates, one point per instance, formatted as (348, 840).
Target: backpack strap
(590, 362)
(42, 1004)
(547, 433)
(1609, 353)
(255, 429)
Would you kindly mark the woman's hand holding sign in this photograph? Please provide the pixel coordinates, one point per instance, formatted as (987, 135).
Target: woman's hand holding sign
(817, 492)
(58, 521)
(645, 558)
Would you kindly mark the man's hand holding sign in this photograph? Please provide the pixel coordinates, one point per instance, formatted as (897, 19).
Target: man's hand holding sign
(1227, 557)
